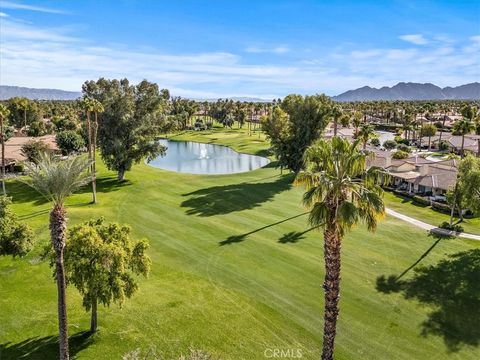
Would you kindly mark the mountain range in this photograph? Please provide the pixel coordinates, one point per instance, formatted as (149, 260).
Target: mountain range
(412, 91)
(401, 91)
(7, 92)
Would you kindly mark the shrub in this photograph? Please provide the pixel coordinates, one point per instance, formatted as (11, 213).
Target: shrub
(69, 142)
(375, 142)
(16, 238)
(33, 148)
(441, 207)
(421, 200)
(399, 154)
(403, 147)
(443, 145)
(18, 168)
(390, 144)
(455, 227)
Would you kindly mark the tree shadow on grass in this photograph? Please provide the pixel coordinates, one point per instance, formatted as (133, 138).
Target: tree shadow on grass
(239, 238)
(225, 199)
(106, 185)
(294, 236)
(22, 193)
(44, 348)
(452, 288)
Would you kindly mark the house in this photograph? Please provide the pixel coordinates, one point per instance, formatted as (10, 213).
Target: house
(471, 142)
(13, 148)
(417, 175)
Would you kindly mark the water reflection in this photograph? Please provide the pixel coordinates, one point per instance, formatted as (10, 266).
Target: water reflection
(198, 158)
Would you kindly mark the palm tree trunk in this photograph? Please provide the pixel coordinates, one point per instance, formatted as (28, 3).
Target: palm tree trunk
(58, 233)
(94, 151)
(89, 137)
(331, 286)
(335, 125)
(25, 119)
(93, 321)
(3, 156)
(463, 144)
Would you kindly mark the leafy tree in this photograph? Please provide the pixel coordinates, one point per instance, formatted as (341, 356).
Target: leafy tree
(340, 192)
(69, 141)
(390, 144)
(469, 182)
(33, 149)
(15, 238)
(56, 180)
(101, 261)
(183, 109)
(133, 118)
(302, 120)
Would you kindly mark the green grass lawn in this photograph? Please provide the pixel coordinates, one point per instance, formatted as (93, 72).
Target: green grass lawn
(237, 270)
(426, 213)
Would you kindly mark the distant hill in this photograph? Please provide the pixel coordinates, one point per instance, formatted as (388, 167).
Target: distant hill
(7, 92)
(412, 91)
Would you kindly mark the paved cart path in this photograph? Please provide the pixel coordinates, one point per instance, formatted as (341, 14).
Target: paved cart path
(429, 227)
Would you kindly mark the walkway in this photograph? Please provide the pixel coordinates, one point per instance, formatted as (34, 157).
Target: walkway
(429, 227)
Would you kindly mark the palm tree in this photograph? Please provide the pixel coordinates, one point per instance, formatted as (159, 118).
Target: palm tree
(24, 104)
(56, 180)
(365, 133)
(336, 114)
(356, 121)
(340, 192)
(4, 113)
(88, 106)
(97, 108)
(463, 127)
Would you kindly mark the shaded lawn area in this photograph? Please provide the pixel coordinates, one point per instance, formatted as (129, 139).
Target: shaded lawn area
(261, 291)
(426, 213)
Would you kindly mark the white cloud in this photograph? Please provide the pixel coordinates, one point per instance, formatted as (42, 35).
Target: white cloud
(416, 39)
(276, 50)
(54, 58)
(2, 14)
(21, 6)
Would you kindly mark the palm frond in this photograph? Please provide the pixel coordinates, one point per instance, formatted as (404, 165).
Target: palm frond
(56, 179)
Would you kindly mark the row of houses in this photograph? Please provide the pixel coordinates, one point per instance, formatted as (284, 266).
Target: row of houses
(418, 175)
(471, 143)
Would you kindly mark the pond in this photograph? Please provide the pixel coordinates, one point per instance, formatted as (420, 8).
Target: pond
(199, 158)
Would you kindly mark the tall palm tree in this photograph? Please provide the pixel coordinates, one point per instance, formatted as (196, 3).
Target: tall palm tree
(340, 192)
(365, 133)
(88, 106)
(336, 114)
(97, 108)
(56, 180)
(356, 121)
(463, 127)
(24, 103)
(4, 113)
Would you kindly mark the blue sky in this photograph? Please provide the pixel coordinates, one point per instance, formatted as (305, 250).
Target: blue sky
(225, 48)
